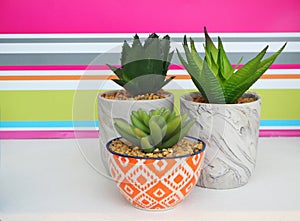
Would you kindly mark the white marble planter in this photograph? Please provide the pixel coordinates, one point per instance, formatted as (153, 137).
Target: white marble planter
(109, 109)
(231, 133)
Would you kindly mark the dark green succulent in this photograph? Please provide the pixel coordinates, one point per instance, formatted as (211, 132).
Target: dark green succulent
(214, 76)
(144, 67)
(160, 128)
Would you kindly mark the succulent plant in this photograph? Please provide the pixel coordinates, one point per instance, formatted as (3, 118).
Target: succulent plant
(144, 67)
(214, 76)
(160, 128)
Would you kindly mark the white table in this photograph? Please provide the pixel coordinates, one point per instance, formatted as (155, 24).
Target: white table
(52, 180)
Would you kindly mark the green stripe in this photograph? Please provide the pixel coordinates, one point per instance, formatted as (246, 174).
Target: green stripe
(61, 105)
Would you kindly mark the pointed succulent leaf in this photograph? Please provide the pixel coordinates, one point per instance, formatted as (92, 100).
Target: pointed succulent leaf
(245, 73)
(211, 85)
(117, 71)
(165, 47)
(210, 48)
(152, 58)
(119, 82)
(198, 60)
(146, 145)
(225, 67)
(193, 73)
(125, 53)
(237, 65)
(168, 80)
(243, 86)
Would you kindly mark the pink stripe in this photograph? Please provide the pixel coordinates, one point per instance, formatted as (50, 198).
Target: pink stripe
(65, 134)
(69, 134)
(279, 133)
(104, 67)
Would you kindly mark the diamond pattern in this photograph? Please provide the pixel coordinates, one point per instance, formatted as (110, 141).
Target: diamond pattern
(155, 184)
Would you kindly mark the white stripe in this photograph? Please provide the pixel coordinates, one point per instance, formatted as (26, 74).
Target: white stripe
(175, 35)
(24, 48)
(96, 128)
(110, 85)
(279, 127)
(55, 72)
(108, 72)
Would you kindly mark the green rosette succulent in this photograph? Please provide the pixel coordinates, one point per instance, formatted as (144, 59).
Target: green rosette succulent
(144, 66)
(160, 128)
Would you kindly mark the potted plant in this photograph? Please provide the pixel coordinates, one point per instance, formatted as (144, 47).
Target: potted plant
(227, 117)
(142, 75)
(154, 165)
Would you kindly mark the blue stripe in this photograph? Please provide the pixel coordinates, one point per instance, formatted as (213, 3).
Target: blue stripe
(57, 124)
(280, 123)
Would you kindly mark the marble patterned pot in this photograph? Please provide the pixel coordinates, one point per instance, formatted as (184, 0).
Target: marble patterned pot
(155, 183)
(231, 134)
(109, 109)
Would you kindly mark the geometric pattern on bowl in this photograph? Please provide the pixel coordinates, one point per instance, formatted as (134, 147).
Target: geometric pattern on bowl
(155, 184)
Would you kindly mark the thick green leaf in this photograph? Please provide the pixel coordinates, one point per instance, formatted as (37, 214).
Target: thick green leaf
(192, 62)
(153, 50)
(272, 58)
(245, 73)
(165, 47)
(125, 53)
(210, 48)
(166, 63)
(263, 67)
(142, 67)
(168, 81)
(225, 67)
(194, 71)
(198, 60)
(211, 85)
(119, 82)
(116, 70)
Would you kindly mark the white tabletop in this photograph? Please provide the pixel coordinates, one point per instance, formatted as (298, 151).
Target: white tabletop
(61, 180)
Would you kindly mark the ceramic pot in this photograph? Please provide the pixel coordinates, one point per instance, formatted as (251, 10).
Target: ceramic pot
(109, 109)
(231, 133)
(155, 183)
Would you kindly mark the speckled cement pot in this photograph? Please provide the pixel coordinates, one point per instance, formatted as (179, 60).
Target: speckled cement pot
(109, 109)
(231, 134)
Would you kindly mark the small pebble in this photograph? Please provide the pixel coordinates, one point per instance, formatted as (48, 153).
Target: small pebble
(184, 147)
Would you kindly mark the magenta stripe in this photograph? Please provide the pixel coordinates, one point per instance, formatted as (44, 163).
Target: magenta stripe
(63, 134)
(104, 67)
(68, 134)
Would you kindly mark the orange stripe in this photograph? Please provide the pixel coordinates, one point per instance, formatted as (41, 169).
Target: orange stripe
(109, 77)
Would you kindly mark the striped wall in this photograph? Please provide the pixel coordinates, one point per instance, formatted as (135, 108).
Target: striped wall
(49, 82)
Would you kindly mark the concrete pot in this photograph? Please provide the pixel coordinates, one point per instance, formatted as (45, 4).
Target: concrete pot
(231, 134)
(109, 109)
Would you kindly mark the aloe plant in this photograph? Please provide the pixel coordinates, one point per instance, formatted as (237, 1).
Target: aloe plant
(144, 67)
(160, 128)
(215, 77)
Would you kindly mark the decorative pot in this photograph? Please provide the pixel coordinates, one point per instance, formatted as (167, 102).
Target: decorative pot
(155, 183)
(231, 134)
(109, 109)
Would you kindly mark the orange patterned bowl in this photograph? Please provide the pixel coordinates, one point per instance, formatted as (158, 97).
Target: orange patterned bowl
(155, 183)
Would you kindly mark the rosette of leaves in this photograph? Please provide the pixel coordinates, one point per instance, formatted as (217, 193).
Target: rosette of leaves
(160, 128)
(215, 77)
(144, 66)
